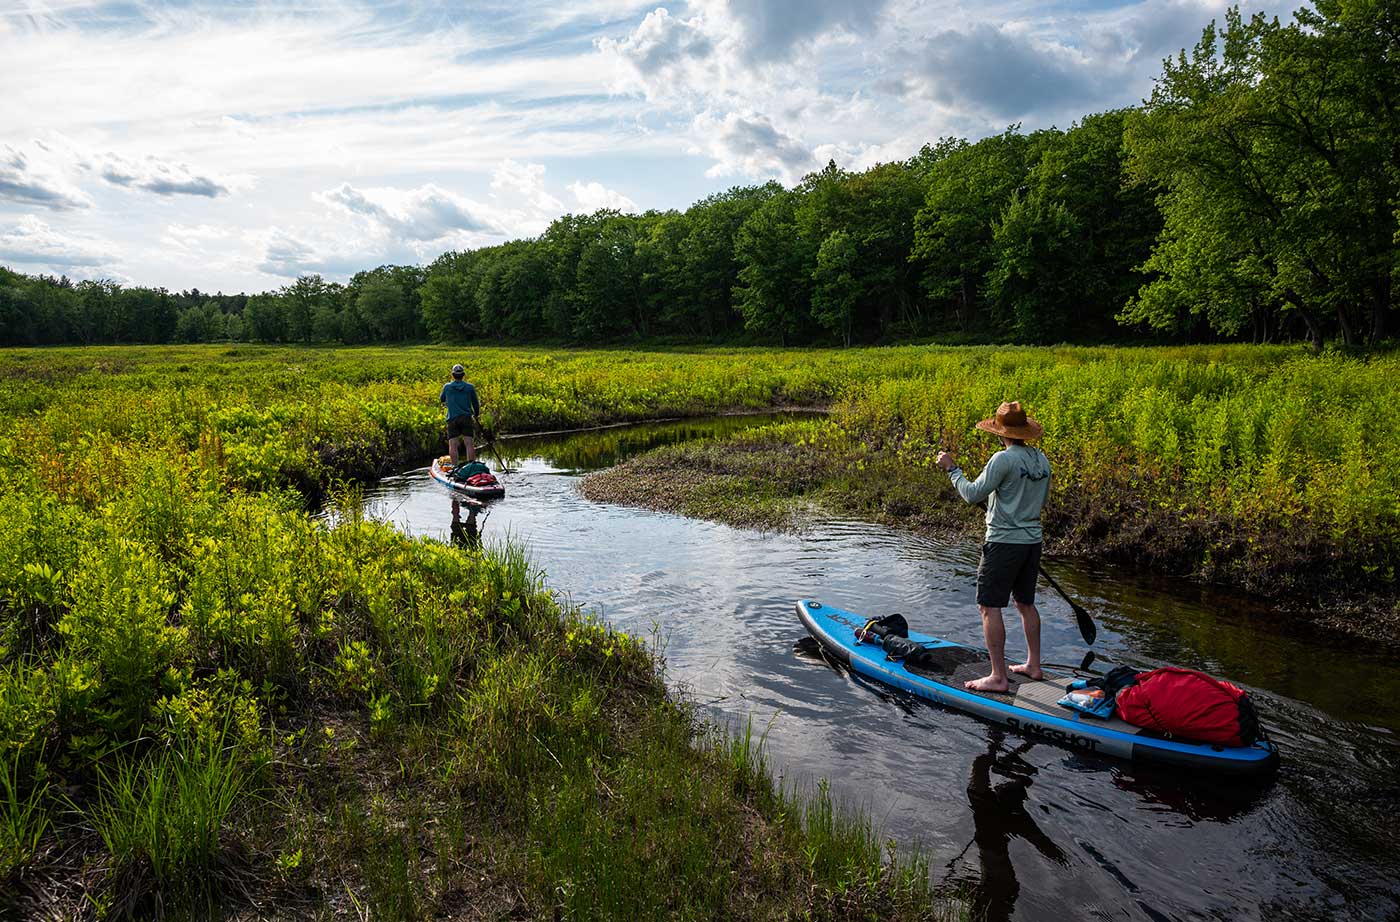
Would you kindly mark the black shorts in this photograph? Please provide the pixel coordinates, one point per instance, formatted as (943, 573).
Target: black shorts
(459, 426)
(1007, 570)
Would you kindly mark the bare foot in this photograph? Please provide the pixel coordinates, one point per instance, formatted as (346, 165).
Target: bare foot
(988, 683)
(1026, 670)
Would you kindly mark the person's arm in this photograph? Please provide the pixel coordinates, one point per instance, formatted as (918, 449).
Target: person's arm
(975, 491)
(476, 405)
(442, 395)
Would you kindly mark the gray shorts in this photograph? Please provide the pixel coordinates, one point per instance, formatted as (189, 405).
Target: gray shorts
(1007, 570)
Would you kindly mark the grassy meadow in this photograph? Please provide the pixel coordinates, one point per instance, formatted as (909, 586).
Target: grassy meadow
(213, 702)
(1267, 469)
(209, 697)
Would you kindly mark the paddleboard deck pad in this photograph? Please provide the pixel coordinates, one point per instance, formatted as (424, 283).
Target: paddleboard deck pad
(440, 474)
(1029, 706)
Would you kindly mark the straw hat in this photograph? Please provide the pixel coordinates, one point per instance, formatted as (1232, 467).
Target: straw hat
(1012, 422)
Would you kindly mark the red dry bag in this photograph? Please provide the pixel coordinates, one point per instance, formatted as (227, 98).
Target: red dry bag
(1189, 704)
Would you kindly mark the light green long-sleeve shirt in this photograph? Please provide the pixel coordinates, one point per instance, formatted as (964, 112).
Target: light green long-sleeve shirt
(1014, 483)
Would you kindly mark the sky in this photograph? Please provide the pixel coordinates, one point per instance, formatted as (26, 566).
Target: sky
(234, 146)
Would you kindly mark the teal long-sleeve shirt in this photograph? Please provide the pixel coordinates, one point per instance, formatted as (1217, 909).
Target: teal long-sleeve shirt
(460, 399)
(1015, 484)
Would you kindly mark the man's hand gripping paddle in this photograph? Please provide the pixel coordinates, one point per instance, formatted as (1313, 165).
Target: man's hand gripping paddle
(490, 445)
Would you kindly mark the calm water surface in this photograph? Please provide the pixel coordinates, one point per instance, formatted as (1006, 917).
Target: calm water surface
(1023, 829)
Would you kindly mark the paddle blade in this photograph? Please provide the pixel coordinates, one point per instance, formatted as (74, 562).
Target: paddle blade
(1087, 627)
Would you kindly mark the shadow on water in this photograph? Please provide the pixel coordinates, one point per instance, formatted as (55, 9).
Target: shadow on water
(999, 815)
(1025, 831)
(466, 533)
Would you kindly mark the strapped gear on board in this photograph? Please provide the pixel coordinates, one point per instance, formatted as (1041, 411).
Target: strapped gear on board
(473, 474)
(1172, 702)
(1185, 703)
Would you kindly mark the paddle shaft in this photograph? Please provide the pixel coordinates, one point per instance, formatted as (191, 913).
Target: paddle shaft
(491, 445)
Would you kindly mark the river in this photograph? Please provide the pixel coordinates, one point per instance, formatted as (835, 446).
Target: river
(1020, 829)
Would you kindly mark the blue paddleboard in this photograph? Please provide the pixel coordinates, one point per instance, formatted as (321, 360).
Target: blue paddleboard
(1029, 706)
(438, 471)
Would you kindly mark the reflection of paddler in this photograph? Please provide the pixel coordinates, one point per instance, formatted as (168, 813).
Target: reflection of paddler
(999, 815)
(465, 534)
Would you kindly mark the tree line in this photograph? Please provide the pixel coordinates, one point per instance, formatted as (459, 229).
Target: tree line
(379, 305)
(1255, 194)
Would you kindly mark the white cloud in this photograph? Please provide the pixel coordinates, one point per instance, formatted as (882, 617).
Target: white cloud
(752, 146)
(750, 81)
(192, 239)
(273, 74)
(40, 181)
(771, 29)
(660, 55)
(592, 196)
(287, 253)
(1003, 74)
(287, 256)
(425, 213)
(525, 180)
(732, 38)
(162, 177)
(399, 226)
(29, 241)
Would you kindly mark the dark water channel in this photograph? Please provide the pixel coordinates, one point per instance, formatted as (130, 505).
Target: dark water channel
(1021, 829)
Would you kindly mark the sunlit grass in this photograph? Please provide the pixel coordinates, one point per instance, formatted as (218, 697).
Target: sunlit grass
(163, 815)
(209, 695)
(23, 815)
(427, 727)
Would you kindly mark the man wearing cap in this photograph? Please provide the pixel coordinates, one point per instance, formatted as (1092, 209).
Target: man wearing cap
(1014, 485)
(463, 408)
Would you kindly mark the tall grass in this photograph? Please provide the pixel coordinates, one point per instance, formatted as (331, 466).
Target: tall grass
(165, 813)
(23, 816)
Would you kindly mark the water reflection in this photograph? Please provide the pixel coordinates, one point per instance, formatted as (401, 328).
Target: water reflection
(999, 815)
(1198, 799)
(467, 533)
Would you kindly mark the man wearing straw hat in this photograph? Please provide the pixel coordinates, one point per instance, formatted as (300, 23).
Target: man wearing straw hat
(1014, 485)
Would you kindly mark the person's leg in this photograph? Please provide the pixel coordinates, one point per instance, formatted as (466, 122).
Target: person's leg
(994, 632)
(454, 433)
(993, 592)
(1023, 591)
(471, 447)
(1030, 621)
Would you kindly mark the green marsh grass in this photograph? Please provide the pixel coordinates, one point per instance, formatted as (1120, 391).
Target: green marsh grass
(240, 701)
(163, 814)
(347, 719)
(23, 816)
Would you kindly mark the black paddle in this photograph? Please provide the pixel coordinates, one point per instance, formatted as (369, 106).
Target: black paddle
(1087, 627)
(491, 445)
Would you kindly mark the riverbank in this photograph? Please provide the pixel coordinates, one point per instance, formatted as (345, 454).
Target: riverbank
(280, 719)
(790, 476)
(213, 703)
